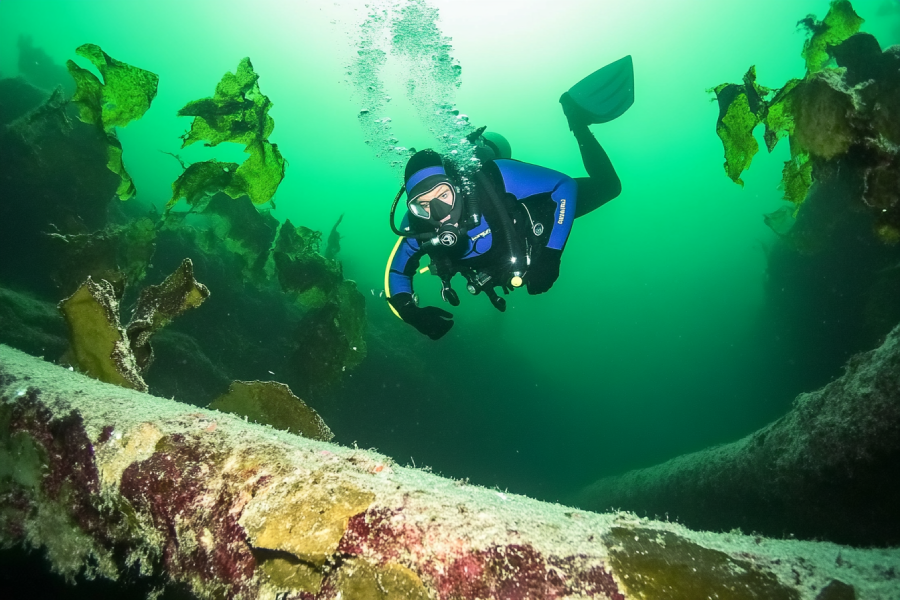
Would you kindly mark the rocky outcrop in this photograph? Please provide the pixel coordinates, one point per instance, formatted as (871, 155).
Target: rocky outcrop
(826, 470)
(110, 481)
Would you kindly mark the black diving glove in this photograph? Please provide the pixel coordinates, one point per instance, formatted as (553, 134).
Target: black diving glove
(430, 320)
(544, 271)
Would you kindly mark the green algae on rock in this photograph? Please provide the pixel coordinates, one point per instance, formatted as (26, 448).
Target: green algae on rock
(280, 266)
(741, 109)
(124, 95)
(295, 240)
(312, 277)
(101, 348)
(243, 230)
(840, 23)
(200, 181)
(332, 334)
(796, 179)
(98, 343)
(331, 338)
(660, 564)
(272, 403)
(823, 109)
(158, 305)
(846, 114)
(301, 269)
(260, 174)
(119, 254)
(238, 113)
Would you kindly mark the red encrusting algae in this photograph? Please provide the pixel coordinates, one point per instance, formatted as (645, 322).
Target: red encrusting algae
(172, 486)
(71, 474)
(502, 572)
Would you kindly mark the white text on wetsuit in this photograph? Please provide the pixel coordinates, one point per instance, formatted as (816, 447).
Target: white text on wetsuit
(562, 211)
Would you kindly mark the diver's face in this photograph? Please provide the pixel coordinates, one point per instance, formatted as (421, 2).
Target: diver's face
(442, 194)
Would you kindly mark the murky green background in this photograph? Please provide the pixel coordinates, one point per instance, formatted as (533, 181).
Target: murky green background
(653, 342)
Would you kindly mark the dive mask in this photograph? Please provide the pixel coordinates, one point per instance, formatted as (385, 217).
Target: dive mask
(434, 205)
(433, 201)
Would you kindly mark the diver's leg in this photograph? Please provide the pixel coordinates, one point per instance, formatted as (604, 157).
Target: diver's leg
(603, 184)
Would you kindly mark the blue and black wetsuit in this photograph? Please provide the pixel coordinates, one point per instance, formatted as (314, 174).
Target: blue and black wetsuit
(527, 215)
(548, 198)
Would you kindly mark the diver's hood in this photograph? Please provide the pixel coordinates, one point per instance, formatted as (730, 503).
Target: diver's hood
(421, 181)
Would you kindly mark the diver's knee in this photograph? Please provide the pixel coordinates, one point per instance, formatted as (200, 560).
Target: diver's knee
(615, 188)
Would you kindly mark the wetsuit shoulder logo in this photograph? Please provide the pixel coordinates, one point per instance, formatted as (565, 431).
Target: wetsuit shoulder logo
(562, 212)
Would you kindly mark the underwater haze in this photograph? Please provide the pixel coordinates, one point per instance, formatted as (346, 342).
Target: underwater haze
(655, 340)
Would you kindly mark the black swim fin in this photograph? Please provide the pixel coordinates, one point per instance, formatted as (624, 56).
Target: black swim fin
(603, 95)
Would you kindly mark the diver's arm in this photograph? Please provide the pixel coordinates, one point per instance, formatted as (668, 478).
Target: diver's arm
(524, 180)
(403, 265)
(430, 320)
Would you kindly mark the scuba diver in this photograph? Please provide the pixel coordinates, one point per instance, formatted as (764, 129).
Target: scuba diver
(505, 225)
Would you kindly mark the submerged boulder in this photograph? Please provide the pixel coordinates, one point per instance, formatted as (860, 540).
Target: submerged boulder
(825, 470)
(110, 482)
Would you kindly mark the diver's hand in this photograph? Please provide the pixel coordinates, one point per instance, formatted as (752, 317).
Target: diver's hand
(430, 320)
(544, 272)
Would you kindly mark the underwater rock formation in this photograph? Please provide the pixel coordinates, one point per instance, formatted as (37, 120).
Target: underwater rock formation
(54, 179)
(331, 337)
(40, 70)
(31, 325)
(333, 247)
(846, 113)
(60, 223)
(117, 253)
(290, 309)
(17, 97)
(105, 479)
(826, 470)
(832, 283)
(245, 231)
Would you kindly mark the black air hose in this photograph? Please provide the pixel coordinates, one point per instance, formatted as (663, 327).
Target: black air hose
(506, 223)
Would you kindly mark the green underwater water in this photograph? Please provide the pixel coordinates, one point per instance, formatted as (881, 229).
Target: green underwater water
(655, 341)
